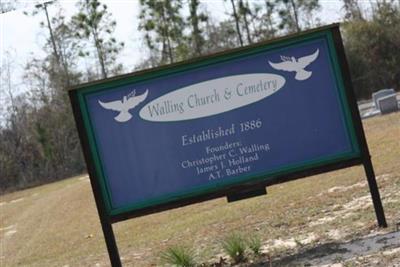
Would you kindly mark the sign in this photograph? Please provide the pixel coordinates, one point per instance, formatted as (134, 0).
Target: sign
(199, 128)
(219, 125)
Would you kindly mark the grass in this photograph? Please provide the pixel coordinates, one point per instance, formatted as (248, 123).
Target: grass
(57, 224)
(179, 256)
(235, 246)
(254, 244)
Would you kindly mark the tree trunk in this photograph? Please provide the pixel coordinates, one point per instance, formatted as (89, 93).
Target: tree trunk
(99, 50)
(246, 23)
(296, 18)
(166, 34)
(194, 19)
(56, 50)
(100, 54)
(237, 22)
(269, 18)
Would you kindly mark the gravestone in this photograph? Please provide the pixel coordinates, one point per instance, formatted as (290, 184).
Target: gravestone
(388, 104)
(381, 93)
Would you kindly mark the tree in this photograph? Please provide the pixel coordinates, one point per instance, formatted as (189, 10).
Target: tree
(39, 127)
(93, 23)
(269, 10)
(237, 22)
(352, 10)
(195, 18)
(44, 8)
(261, 20)
(291, 12)
(163, 28)
(60, 45)
(220, 36)
(17, 154)
(48, 79)
(68, 50)
(244, 12)
(370, 47)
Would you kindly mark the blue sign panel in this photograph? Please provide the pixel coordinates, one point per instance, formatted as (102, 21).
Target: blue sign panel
(201, 127)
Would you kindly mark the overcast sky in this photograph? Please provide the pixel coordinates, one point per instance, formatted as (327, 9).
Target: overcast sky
(22, 36)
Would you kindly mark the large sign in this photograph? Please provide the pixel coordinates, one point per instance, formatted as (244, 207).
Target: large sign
(222, 125)
(198, 128)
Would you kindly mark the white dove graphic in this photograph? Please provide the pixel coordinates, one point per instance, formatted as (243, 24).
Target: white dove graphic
(291, 64)
(128, 102)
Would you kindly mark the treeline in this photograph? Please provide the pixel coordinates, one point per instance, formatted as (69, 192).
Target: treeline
(38, 139)
(372, 44)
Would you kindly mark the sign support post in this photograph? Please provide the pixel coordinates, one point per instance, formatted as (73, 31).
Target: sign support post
(365, 155)
(111, 244)
(373, 188)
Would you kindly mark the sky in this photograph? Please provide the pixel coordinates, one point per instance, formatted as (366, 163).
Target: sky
(23, 37)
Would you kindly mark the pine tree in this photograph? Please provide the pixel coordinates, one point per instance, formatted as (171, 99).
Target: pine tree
(245, 12)
(270, 7)
(94, 24)
(196, 38)
(51, 41)
(236, 17)
(260, 20)
(291, 11)
(163, 28)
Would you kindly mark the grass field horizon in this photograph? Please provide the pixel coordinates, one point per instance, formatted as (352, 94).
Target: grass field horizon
(317, 221)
